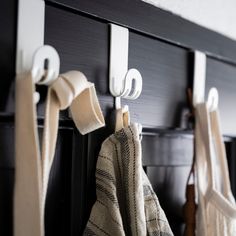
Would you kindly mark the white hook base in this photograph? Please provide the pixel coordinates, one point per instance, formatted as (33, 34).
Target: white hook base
(199, 77)
(199, 82)
(30, 32)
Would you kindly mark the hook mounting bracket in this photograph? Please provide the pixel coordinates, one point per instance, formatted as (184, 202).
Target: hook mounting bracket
(30, 52)
(199, 82)
(119, 43)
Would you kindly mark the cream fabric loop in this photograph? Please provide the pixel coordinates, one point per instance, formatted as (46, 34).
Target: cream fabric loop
(122, 118)
(63, 92)
(86, 111)
(68, 86)
(72, 89)
(119, 120)
(77, 81)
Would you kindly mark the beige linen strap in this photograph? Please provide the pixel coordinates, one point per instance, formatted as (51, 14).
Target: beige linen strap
(122, 118)
(209, 135)
(220, 149)
(204, 152)
(31, 168)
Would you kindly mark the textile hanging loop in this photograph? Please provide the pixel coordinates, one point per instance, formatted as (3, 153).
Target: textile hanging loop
(73, 90)
(32, 169)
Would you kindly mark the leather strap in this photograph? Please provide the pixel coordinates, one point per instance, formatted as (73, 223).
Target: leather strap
(31, 168)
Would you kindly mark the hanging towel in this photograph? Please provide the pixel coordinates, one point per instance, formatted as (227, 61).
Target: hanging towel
(216, 212)
(32, 168)
(126, 203)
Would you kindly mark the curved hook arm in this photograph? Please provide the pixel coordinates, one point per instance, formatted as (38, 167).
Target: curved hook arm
(38, 71)
(213, 99)
(133, 75)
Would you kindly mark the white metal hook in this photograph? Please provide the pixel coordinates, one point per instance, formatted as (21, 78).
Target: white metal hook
(123, 82)
(31, 56)
(38, 71)
(199, 81)
(213, 99)
(132, 76)
(39, 74)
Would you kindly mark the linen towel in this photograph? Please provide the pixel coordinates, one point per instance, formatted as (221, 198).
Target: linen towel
(126, 203)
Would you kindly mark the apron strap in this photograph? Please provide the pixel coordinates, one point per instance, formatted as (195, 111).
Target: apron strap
(220, 150)
(31, 168)
(209, 142)
(204, 150)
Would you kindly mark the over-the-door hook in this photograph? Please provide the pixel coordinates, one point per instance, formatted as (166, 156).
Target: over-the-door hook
(199, 81)
(31, 56)
(42, 75)
(132, 76)
(123, 82)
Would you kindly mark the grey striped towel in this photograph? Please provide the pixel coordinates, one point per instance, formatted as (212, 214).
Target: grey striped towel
(126, 203)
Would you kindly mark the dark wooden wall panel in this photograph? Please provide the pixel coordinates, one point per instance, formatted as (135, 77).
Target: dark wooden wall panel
(160, 47)
(150, 20)
(167, 159)
(58, 205)
(167, 149)
(79, 186)
(169, 184)
(8, 21)
(58, 202)
(6, 145)
(6, 177)
(6, 198)
(165, 79)
(83, 44)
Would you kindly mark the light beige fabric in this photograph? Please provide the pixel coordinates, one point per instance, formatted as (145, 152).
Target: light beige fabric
(122, 118)
(216, 212)
(126, 203)
(31, 167)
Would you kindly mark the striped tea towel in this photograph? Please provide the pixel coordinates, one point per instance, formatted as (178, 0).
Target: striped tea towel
(126, 203)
